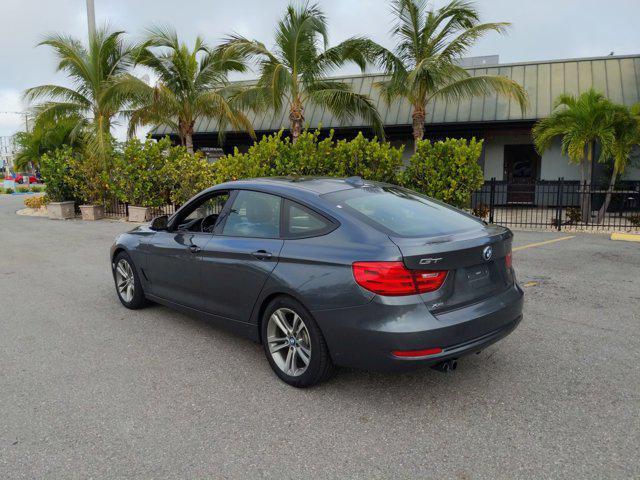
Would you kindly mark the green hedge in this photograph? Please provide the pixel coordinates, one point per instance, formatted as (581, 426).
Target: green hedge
(447, 170)
(136, 177)
(186, 174)
(151, 174)
(274, 155)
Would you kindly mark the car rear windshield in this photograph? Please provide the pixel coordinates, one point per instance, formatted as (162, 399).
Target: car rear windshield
(402, 212)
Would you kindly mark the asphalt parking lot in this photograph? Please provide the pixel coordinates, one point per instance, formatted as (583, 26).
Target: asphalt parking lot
(89, 389)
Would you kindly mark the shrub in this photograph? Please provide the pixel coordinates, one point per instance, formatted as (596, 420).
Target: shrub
(137, 173)
(89, 178)
(1, 190)
(481, 211)
(574, 215)
(37, 189)
(368, 159)
(634, 220)
(8, 191)
(446, 170)
(274, 155)
(186, 174)
(56, 172)
(22, 189)
(277, 156)
(36, 202)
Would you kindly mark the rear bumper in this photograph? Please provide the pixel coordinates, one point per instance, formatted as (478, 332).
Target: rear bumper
(364, 337)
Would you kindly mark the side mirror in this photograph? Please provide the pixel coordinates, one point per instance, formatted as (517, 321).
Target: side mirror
(160, 223)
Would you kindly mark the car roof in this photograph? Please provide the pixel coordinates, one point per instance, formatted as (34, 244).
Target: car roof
(317, 185)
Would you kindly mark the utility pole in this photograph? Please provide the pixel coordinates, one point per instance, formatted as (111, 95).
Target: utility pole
(91, 18)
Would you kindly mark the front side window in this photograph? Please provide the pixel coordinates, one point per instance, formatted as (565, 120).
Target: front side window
(254, 214)
(204, 215)
(211, 206)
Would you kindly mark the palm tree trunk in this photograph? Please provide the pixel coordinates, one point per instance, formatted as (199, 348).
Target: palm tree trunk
(585, 179)
(188, 140)
(186, 134)
(418, 116)
(296, 118)
(607, 199)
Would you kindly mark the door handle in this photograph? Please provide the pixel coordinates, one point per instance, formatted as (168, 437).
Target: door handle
(262, 255)
(194, 248)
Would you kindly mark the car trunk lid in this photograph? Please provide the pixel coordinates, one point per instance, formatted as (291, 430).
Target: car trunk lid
(475, 261)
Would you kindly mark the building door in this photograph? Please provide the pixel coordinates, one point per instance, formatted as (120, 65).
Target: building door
(521, 170)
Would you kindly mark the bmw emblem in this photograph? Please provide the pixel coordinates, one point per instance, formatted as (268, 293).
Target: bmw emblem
(487, 253)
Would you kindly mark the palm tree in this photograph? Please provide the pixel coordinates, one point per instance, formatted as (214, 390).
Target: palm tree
(580, 122)
(98, 73)
(294, 72)
(44, 137)
(192, 83)
(626, 123)
(422, 66)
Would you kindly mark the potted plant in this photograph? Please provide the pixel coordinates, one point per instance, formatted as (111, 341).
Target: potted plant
(92, 211)
(136, 176)
(89, 183)
(56, 171)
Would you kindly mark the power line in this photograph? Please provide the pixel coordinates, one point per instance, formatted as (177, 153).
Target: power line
(26, 116)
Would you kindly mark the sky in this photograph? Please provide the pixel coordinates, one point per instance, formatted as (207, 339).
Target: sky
(541, 30)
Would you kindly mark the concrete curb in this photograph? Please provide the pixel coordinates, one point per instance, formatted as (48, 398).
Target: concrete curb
(626, 237)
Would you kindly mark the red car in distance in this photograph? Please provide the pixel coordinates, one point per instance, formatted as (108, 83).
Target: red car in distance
(22, 178)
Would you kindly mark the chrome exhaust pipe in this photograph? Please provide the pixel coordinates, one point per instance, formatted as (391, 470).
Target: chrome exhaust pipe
(446, 366)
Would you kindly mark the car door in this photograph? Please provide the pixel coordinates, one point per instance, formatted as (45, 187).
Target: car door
(239, 258)
(174, 266)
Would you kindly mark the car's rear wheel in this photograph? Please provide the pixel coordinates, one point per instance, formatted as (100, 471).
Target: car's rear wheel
(294, 344)
(128, 286)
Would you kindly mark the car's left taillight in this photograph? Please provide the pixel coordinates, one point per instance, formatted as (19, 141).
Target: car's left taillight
(394, 279)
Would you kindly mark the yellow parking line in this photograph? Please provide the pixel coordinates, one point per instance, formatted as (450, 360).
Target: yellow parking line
(542, 243)
(626, 237)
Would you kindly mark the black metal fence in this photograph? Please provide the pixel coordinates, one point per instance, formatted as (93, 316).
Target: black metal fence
(117, 209)
(560, 205)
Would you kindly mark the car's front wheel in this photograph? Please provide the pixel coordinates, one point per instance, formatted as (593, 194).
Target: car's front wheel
(128, 286)
(294, 344)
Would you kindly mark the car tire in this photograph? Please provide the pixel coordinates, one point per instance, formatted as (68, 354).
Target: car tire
(132, 298)
(308, 338)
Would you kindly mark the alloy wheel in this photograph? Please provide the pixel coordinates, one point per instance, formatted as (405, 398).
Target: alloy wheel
(125, 280)
(289, 342)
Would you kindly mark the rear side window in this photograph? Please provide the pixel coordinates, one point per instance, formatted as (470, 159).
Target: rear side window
(402, 212)
(300, 221)
(254, 214)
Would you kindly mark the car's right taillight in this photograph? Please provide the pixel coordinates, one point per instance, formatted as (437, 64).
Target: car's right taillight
(394, 279)
(508, 261)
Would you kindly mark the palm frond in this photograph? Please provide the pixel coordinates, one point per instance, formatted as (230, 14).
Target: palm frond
(459, 45)
(345, 104)
(55, 92)
(484, 85)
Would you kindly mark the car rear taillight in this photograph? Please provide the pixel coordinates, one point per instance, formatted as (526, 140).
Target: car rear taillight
(508, 261)
(394, 279)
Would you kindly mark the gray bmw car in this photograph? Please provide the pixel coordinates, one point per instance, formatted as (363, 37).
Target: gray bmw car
(326, 271)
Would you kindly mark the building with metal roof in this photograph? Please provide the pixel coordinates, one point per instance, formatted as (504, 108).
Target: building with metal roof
(508, 149)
